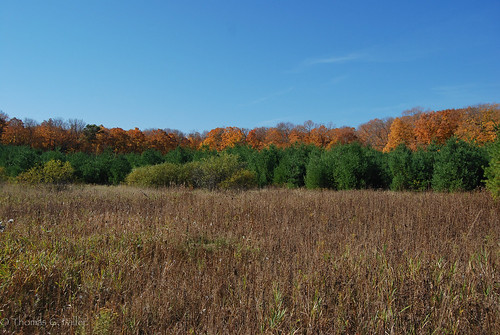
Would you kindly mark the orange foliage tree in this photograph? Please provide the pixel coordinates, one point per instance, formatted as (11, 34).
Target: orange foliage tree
(52, 134)
(375, 133)
(14, 133)
(136, 140)
(159, 140)
(436, 126)
(279, 135)
(401, 132)
(479, 124)
(231, 137)
(4, 118)
(256, 137)
(194, 140)
(414, 128)
(302, 133)
(342, 135)
(213, 139)
(221, 138)
(320, 136)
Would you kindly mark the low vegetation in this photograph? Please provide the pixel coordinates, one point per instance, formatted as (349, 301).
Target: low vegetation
(108, 260)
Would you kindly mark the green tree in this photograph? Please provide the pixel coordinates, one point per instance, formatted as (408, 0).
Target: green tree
(318, 174)
(493, 169)
(151, 157)
(350, 166)
(118, 169)
(291, 170)
(459, 166)
(400, 165)
(423, 167)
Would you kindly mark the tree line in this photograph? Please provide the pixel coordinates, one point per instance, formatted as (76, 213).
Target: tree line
(452, 166)
(415, 128)
(422, 151)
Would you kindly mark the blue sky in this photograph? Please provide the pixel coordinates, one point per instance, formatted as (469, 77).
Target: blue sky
(197, 65)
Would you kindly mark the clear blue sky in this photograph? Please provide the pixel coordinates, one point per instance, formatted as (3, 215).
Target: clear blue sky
(197, 65)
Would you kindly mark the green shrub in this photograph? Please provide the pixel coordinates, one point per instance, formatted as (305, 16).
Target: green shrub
(216, 169)
(3, 175)
(291, 170)
(221, 171)
(151, 157)
(166, 174)
(242, 179)
(493, 170)
(52, 172)
(400, 165)
(423, 168)
(317, 173)
(459, 167)
(119, 168)
(350, 166)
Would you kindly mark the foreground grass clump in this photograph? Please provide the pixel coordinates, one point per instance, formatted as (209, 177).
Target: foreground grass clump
(106, 260)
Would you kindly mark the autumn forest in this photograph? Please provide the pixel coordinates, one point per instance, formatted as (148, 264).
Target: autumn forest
(415, 128)
(446, 150)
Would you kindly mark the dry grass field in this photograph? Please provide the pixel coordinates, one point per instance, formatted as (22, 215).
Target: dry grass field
(123, 260)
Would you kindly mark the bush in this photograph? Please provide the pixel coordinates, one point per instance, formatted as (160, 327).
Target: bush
(216, 169)
(493, 170)
(400, 165)
(52, 172)
(17, 159)
(52, 155)
(423, 168)
(459, 167)
(166, 174)
(263, 163)
(291, 170)
(222, 171)
(3, 175)
(350, 166)
(118, 169)
(317, 173)
(151, 157)
(242, 179)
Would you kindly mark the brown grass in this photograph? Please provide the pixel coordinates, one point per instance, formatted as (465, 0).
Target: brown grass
(109, 260)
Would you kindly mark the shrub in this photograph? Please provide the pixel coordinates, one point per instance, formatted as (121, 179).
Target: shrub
(423, 168)
(52, 172)
(400, 165)
(242, 179)
(459, 166)
(216, 169)
(291, 170)
(493, 170)
(221, 171)
(165, 174)
(119, 169)
(349, 166)
(3, 174)
(317, 173)
(151, 157)
(263, 163)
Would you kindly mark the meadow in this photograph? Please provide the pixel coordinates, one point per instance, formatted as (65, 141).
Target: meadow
(125, 260)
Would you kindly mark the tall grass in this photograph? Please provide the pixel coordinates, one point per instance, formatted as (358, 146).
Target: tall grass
(107, 260)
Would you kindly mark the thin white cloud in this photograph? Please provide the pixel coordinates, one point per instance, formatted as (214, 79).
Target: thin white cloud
(310, 62)
(333, 60)
(453, 89)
